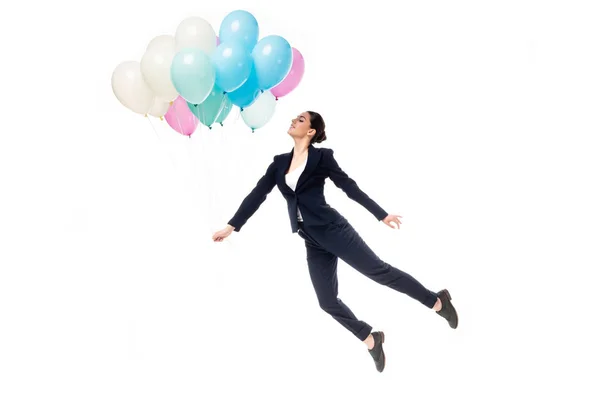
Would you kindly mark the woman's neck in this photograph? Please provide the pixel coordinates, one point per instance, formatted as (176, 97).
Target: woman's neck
(301, 147)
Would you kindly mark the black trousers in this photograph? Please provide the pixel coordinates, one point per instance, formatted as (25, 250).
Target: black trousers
(325, 245)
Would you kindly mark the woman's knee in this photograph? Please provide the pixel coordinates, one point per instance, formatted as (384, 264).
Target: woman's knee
(329, 304)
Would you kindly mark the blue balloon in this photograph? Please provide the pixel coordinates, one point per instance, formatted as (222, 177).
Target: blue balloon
(272, 57)
(246, 94)
(239, 26)
(232, 64)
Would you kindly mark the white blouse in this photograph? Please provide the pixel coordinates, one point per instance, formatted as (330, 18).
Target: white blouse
(292, 180)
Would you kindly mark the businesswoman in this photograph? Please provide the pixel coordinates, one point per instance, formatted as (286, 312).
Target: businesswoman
(300, 176)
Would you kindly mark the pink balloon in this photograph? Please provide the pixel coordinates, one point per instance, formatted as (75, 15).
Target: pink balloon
(293, 78)
(181, 118)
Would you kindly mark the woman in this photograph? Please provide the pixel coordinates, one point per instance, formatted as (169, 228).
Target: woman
(300, 176)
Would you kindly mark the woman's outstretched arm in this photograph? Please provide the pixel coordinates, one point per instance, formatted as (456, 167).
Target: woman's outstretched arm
(255, 198)
(349, 186)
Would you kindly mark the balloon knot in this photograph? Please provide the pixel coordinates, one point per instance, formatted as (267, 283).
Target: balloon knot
(276, 98)
(210, 127)
(146, 115)
(221, 123)
(161, 118)
(170, 103)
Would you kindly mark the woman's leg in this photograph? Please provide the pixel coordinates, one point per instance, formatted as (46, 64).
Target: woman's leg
(322, 267)
(344, 242)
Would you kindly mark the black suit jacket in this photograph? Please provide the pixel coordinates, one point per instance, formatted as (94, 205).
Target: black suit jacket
(308, 195)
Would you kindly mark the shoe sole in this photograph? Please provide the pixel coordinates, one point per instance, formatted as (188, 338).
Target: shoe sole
(383, 352)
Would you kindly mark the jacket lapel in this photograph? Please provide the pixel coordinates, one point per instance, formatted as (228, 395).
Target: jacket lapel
(311, 163)
(284, 164)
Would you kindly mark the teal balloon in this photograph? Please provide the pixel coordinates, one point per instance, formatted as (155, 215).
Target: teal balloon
(272, 58)
(208, 111)
(193, 75)
(227, 107)
(239, 26)
(246, 94)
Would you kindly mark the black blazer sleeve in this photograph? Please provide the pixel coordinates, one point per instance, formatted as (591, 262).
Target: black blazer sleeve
(349, 186)
(256, 197)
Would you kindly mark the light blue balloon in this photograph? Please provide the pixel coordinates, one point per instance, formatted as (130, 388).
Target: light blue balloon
(239, 26)
(192, 75)
(232, 64)
(246, 94)
(272, 57)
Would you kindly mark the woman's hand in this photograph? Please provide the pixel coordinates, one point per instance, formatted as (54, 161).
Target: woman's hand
(222, 234)
(392, 218)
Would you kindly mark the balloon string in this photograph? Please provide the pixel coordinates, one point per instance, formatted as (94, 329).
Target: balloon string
(220, 144)
(212, 166)
(212, 195)
(208, 169)
(161, 142)
(205, 178)
(194, 168)
(225, 132)
(238, 114)
(223, 146)
(206, 188)
(192, 163)
(208, 173)
(153, 128)
(177, 117)
(221, 107)
(208, 177)
(212, 201)
(201, 116)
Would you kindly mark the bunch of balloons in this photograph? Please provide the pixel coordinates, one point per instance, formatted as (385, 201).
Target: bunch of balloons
(197, 77)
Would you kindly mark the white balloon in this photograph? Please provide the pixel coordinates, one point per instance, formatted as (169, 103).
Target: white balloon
(261, 111)
(162, 41)
(130, 88)
(156, 67)
(159, 107)
(196, 32)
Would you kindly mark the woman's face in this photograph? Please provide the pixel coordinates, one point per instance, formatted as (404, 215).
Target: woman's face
(300, 126)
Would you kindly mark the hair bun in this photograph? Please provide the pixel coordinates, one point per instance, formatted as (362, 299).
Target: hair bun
(322, 137)
(316, 122)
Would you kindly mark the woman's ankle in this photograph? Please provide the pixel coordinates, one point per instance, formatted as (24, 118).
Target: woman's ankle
(369, 341)
(438, 305)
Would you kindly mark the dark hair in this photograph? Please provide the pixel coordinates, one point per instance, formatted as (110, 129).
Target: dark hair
(318, 124)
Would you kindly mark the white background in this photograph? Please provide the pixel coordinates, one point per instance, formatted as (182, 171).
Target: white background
(476, 121)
